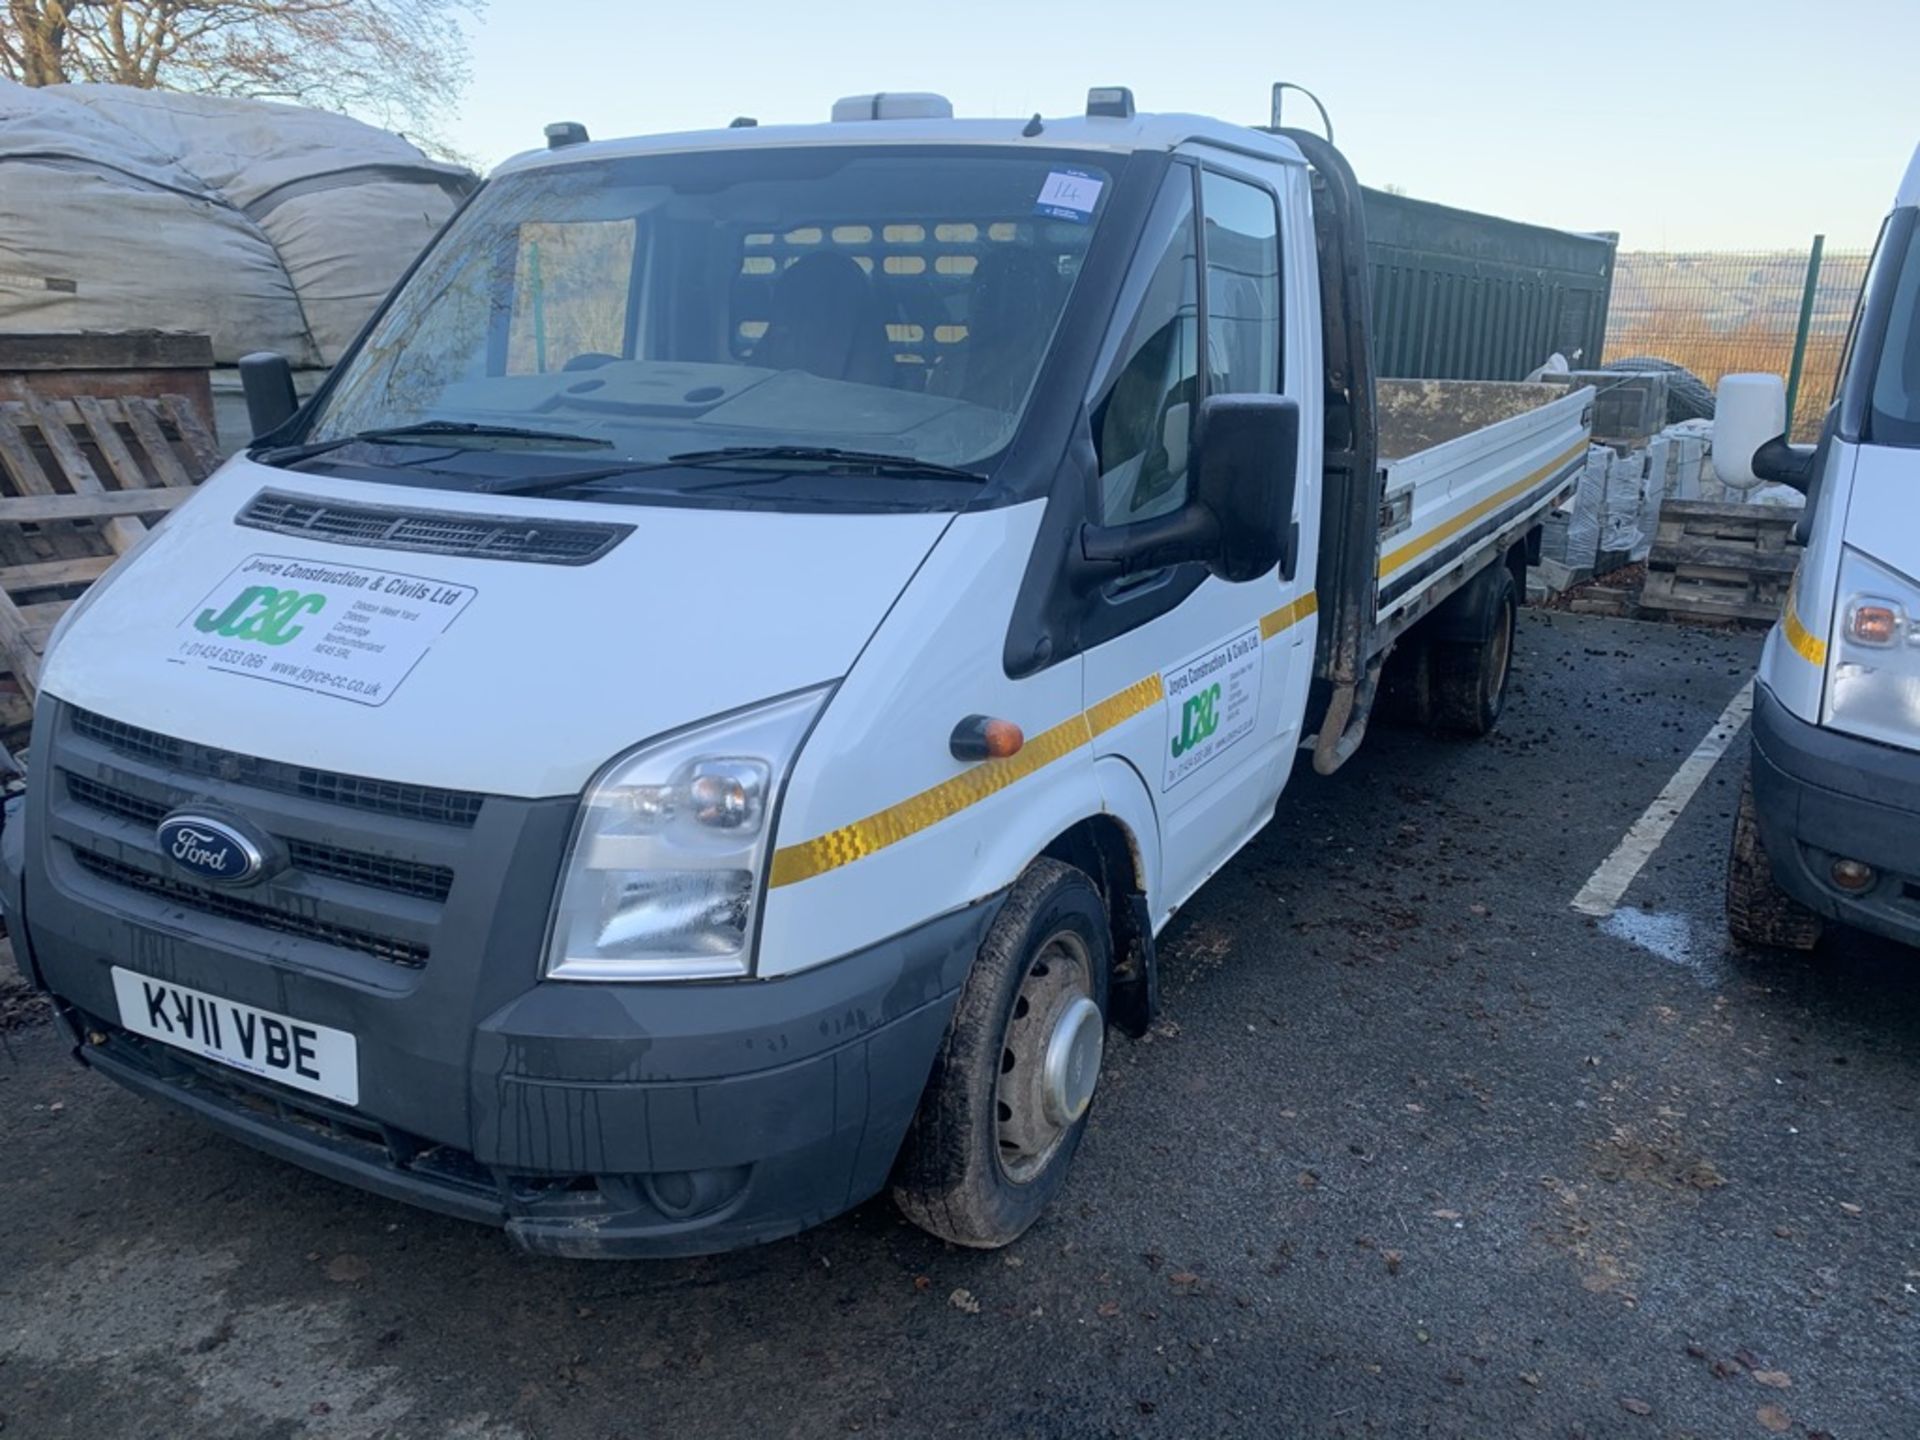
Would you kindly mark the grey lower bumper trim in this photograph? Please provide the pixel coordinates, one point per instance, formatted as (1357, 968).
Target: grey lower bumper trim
(615, 1121)
(1821, 796)
(286, 1143)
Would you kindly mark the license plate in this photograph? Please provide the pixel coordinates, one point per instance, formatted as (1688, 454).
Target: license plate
(315, 1058)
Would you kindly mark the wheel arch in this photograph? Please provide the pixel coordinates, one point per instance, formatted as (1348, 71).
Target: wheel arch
(1108, 850)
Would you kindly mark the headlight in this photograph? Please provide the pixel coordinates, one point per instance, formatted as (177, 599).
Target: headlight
(663, 878)
(1873, 665)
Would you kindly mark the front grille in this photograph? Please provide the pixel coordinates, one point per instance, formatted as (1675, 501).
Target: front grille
(115, 802)
(434, 532)
(401, 877)
(194, 897)
(384, 797)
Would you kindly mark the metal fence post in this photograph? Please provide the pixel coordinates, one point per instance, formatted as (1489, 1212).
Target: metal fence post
(1800, 335)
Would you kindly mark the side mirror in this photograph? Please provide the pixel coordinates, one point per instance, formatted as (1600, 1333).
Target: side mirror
(1238, 516)
(266, 379)
(1750, 445)
(1246, 467)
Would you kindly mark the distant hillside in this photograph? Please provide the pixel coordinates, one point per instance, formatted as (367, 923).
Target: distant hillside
(1718, 313)
(1727, 292)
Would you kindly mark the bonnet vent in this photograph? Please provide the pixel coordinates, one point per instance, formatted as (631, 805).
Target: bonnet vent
(434, 532)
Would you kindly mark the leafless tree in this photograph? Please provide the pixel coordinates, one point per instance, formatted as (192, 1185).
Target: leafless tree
(393, 61)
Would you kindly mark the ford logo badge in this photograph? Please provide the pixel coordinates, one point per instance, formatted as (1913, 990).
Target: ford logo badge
(211, 849)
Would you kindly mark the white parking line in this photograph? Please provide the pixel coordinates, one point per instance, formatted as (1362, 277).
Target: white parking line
(1607, 884)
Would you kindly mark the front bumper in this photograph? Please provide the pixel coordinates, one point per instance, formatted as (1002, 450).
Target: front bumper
(1822, 796)
(587, 1119)
(615, 1121)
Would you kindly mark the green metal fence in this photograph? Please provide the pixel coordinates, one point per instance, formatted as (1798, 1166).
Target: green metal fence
(1722, 312)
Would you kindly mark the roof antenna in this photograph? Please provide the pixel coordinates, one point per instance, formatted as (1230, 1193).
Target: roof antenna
(1034, 127)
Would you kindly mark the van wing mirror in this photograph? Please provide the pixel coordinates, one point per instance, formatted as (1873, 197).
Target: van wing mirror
(266, 379)
(1750, 445)
(1238, 516)
(1246, 467)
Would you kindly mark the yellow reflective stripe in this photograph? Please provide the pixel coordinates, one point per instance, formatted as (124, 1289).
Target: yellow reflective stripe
(1288, 615)
(1141, 695)
(1807, 645)
(861, 838)
(1448, 529)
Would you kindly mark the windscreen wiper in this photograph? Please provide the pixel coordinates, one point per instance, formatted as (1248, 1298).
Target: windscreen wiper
(426, 432)
(567, 479)
(770, 455)
(875, 460)
(900, 465)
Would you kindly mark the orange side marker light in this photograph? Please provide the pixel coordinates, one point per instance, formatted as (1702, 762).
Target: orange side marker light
(982, 737)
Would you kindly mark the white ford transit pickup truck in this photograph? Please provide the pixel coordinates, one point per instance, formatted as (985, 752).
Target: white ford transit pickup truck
(704, 715)
(1829, 822)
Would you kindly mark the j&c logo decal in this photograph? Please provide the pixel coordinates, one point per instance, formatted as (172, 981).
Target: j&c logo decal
(1198, 720)
(263, 613)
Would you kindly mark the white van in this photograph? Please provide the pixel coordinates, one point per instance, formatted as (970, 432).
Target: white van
(1829, 820)
(704, 715)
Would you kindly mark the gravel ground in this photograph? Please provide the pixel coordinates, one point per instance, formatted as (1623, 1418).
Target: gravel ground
(1415, 1151)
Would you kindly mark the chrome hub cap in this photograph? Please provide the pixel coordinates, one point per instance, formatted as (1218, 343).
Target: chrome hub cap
(1073, 1061)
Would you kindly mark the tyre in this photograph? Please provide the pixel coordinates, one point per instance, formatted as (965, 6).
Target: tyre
(1406, 685)
(1007, 1103)
(1469, 678)
(1759, 912)
(1688, 396)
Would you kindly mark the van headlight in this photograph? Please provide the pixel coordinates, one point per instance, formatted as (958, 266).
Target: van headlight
(664, 874)
(1873, 665)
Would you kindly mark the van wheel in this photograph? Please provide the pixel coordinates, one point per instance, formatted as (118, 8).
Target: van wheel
(1470, 677)
(1406, 695)
(1007, 1102)
(1759, 912)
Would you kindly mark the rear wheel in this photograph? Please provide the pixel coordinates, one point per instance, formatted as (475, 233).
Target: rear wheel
(1759, 912)
(1470, 677)
(1008, 1100)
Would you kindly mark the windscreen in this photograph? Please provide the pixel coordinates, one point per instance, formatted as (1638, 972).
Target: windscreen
(889, 300)
(1895, 418)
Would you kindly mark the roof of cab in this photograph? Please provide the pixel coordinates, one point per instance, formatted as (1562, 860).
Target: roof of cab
(1077, 132)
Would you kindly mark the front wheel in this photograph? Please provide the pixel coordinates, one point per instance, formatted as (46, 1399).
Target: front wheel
(1759, 912)
(1008, 1099)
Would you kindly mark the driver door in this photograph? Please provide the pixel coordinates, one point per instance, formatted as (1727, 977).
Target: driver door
(1191, 681)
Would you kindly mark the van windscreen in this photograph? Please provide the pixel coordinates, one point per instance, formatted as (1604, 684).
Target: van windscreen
(1895, 394)
(890, 300)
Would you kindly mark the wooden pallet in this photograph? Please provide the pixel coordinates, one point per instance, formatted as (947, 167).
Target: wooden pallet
(1721, 562)
(65, 366)
(79, 478)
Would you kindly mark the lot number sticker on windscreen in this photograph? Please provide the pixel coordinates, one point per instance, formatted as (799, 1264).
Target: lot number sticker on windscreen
(1215, 700)
(336, 630)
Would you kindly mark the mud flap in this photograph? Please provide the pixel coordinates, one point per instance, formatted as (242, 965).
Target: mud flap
(1133, 995)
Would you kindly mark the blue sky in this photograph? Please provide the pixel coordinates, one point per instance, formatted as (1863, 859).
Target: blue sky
(1683, 125)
